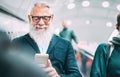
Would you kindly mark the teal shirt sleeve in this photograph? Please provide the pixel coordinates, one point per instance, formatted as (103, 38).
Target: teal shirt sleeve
(74, 37)
(98, 68)
(69, 35)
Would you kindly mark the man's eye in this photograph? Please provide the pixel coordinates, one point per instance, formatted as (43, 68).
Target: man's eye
(35, 18)
(46, 18)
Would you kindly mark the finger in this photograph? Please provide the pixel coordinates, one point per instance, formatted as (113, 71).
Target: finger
(52, 73)
(48, 69)
(49, 63)
(56, 75)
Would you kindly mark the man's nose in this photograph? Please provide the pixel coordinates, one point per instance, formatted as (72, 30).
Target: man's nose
(41, 22)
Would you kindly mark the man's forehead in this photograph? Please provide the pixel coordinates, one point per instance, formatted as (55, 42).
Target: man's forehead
(40, 10)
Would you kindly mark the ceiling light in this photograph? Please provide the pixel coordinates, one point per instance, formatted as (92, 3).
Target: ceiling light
(105, 4)
(71, 6)
(85, 3)
(118, 7)
(69, 22)
(88, 22)
(109, 24)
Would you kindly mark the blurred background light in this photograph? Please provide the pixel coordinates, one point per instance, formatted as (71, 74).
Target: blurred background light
(88, 22)
(109, 24)
(85, 3)
(69, 22)
(105, 4)
(71, 6)
(118, 7)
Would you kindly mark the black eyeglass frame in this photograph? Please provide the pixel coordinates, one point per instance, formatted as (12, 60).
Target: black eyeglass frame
(44, 18)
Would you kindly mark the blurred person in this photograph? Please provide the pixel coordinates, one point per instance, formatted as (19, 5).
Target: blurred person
(106, 61)
(12, 65)
(40, 39)
(67, 33)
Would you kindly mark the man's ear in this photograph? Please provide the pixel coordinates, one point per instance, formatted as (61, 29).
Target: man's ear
(117, 26)
(52, 16)
(29, 18)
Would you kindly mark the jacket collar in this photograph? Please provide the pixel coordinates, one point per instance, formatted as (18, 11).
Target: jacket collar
(116, 41)
(32, 43)
(35, 46)
(53, 42)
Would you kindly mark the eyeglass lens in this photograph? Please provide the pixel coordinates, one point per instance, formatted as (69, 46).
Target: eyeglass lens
(44, 18)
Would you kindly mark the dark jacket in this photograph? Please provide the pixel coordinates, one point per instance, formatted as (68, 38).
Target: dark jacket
(68, 35)
(60, 53)
(104, 66)
(15, 66)
(12, 65)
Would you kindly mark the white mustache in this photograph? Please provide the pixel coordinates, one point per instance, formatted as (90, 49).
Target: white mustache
(38, 26)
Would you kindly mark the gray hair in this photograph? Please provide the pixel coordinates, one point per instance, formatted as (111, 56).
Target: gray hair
(42, 4)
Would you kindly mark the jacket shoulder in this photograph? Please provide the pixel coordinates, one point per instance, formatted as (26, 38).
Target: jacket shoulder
(61, 39)
(20, 39)
(102, 48)
(102, 45)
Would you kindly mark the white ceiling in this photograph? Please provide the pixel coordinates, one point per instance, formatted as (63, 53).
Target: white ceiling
(96, 31)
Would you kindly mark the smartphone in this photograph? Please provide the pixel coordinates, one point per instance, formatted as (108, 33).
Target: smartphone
(41, 59)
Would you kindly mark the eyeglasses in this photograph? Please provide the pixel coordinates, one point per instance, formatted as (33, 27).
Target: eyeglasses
(44, 18)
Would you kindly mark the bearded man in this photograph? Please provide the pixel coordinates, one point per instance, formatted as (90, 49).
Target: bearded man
(40, 39)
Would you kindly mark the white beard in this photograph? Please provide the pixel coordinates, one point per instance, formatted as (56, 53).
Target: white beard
(42, 38)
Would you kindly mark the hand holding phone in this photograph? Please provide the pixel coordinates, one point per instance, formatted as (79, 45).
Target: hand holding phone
(42, 59)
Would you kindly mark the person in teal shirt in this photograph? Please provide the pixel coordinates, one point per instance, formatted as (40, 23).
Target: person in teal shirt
(67, 33)
(104, 64)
